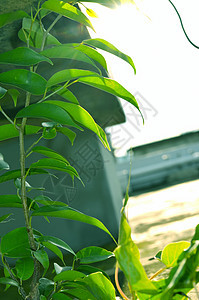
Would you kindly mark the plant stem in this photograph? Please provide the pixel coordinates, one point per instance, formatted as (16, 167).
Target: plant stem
(34, 294)
(118, 285)
(157, 273)
(8, 118)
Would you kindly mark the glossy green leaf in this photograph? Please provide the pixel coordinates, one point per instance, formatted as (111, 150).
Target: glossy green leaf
(47, 201)
(68, 276)
(54, 164)
(24, 268)
(14, 94)
(65, 93)
(54, 249)
(172, 251)
(99, 286)
(68, 74)
(3, 165)
(11, 17)
(25, 80)
(92, 53)
(2, 92)
(15, 243)
(128, 257)
(22, 56)
(59, 269)
(69, 52)
(47, 111)
(10, 281)
(93, 254)
(37, 34)
(71, 214)
(67, 132)
(9, 175)
(9, 131)
(49, 133)
(46, 286)
(108, 47)
(57, 242)
(3, 218)
(42, 257)
(60, 296)
(67, 10)
(10, 201)
(50, 153)
(87, 269)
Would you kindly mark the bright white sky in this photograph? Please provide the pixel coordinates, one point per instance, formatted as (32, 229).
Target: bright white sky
(167, 67)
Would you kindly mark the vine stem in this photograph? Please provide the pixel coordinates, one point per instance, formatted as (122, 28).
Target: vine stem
(118, 285)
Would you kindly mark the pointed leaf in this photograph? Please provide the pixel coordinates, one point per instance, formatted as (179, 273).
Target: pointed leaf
(3, 218)
(2, 92)
(51, 163)
(13, 16)
(37, 34)
(14, 94)
(17, 174)
(91, 13)
(67, 132)
(49, 133)
(15, 243)
(93, 254)
(42, 257)
(10, 201)
(54, 249)
(47, 201)
(59, 269)
(10, 281)
(67, 10)
(108, 47)
(24, 79)
(3, 165)
(50, 153)
(48, 111)
(69, 52)
(71, 214)
(68, 276)
(65, 93)
(128, 257)
(87, 269)
(24, 268)
(56, 241)
(172, 251)
(22, 56)
(9, 131)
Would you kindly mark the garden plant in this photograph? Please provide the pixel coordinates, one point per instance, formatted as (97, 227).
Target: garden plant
(27, 246)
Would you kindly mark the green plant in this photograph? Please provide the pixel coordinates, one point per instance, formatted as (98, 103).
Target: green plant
(27, 245)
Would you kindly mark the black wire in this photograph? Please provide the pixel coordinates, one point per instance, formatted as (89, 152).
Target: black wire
(183, 26)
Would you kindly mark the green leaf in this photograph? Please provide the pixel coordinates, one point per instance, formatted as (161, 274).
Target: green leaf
(51, 163)
(11, 17)
(108, 47)
(93, 254)
(37, 34)
(68, 276)
(14, 94)
(48, 111)
(57, 242)
(98, 285)
(69, 52)
(54, 249)
(46, 286)
(91, 13)
(22, 56)
(24, 268)
(93, 79)
(10, 281)
(50, 153)
(65, 93)
(9, 131)
(3, 165)
(71, 214)
(17, 174)
(47, 201)
(25, 80)
(68, 11)
(3, 218)
(128, 257)
(60, 296)
(59, 269)
(67, 132)
(42, 257)
(49, 133)
(2, 92)
(15, 244)
(10, 201)
(171, 253)
(86, 269)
